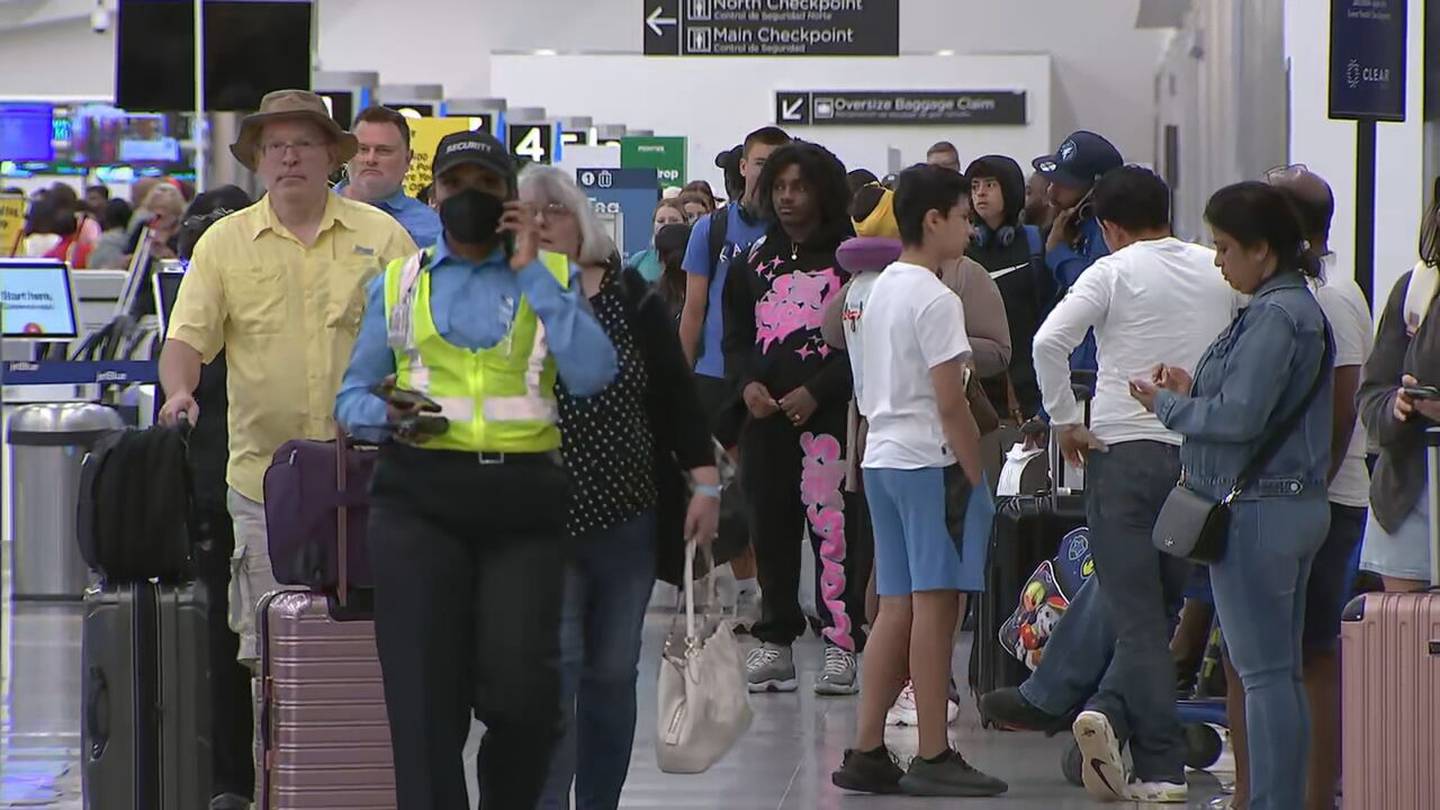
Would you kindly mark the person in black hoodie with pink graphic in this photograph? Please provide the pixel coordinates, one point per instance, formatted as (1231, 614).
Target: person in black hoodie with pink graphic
(795, 390)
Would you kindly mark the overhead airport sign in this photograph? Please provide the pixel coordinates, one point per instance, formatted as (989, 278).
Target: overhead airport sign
(1367, 59)
(771, 27)
(531, 143)
(850, 108)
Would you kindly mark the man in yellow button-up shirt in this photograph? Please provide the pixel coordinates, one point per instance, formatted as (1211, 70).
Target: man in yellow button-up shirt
(279, 286)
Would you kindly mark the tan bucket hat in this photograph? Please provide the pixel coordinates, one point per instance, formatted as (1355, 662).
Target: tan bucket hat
(280, 104)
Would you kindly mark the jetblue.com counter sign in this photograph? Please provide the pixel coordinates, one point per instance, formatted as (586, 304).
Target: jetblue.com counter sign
(1367, 59)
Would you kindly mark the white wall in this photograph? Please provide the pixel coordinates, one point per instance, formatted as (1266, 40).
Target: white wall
(1222, 84)
(1102, 66)
(717, 114)
(1328, 147)
(56, 61)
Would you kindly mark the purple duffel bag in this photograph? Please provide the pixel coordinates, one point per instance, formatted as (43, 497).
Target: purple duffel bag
(316, 511)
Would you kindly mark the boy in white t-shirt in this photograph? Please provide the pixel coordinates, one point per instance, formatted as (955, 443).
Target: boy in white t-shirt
(912, 351)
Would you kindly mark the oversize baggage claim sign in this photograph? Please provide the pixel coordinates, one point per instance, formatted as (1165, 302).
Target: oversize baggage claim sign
(772, 27)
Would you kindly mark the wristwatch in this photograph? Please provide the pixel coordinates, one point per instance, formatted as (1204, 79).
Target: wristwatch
(708, 490)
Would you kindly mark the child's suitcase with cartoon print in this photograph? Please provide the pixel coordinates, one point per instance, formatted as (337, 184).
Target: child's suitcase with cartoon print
(1390, 685)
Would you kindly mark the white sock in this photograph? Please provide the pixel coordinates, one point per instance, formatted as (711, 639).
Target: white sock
(750, 585)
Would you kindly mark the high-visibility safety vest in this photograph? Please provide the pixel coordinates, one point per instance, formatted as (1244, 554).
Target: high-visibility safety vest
(498, 400)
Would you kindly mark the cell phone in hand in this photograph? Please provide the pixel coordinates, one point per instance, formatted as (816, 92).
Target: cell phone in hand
(405, 398)
(1425, 392)
(1085, 208)
(424, 425)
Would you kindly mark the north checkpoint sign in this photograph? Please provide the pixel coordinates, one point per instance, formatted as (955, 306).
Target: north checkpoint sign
(771, 27)
(849, 108)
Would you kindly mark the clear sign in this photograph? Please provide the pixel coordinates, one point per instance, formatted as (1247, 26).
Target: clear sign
(1367, 59)
(665, 154)
(532, 143)
(848, 108)
(771, 27)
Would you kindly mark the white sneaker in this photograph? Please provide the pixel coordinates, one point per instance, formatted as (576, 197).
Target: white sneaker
(1102, 769)
(1159, 792)
(903, 712)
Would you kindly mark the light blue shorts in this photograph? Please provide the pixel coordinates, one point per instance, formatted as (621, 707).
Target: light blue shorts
(913, 548)
(1405, 554)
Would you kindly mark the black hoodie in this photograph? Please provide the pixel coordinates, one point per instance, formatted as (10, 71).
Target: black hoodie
(1014, 255)
(774, 305)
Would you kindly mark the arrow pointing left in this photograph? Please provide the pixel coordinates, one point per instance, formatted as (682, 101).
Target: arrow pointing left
(655, 21)
(790, 110)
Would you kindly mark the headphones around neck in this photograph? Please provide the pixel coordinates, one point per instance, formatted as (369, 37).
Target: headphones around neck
(1005, 235)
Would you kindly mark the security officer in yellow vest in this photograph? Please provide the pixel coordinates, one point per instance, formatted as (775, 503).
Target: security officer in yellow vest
(467, 523)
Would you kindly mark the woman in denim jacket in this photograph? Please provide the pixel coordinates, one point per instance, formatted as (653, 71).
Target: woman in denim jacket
(1254, 376)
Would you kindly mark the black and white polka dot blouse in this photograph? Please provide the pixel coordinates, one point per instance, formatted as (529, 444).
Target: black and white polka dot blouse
(606, 440)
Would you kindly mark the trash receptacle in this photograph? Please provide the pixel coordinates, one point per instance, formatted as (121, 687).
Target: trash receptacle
(47, 446)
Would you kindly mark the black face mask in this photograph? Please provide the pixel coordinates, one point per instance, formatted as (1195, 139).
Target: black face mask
(472, 216)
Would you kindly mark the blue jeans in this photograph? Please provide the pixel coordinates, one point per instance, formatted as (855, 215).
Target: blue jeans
(606, 592)
(1260, 590)
(1127, 487)
(1076, 656)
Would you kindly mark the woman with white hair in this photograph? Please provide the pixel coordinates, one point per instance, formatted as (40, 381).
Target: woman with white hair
(611, 443)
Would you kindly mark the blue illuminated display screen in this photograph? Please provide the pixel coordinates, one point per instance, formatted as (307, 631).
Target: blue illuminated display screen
(27, 132)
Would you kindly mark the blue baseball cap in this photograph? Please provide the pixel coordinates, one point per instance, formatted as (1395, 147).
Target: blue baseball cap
(1082, 159)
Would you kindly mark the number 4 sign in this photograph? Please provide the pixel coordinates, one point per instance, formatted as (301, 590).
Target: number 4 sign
(532, 143)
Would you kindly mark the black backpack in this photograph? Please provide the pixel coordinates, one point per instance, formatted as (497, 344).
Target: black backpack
(133, 517)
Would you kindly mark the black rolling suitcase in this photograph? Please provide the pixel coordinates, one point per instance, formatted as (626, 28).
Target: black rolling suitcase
(145, 657)
(145, 725)
(1028, 530)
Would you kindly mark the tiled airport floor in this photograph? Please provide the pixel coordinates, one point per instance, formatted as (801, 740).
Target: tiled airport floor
(784, 762)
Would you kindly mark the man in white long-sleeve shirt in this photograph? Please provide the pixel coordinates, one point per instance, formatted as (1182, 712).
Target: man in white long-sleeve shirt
(1154, 299)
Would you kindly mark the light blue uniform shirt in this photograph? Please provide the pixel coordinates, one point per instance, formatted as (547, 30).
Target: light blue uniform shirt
(473, 306)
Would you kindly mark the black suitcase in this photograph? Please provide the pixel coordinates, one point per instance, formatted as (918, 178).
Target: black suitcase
(145, 726)
(1028, 530)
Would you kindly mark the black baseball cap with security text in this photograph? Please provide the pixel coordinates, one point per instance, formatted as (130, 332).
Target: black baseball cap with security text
(475, 148)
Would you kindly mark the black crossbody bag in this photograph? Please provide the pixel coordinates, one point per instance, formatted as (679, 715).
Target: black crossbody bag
(1194, 526)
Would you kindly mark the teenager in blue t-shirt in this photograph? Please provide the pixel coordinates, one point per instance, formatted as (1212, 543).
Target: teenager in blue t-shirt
(717, 241)
(701, 323)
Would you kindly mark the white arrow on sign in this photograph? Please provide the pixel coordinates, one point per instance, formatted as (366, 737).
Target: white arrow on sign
(790, 110)
(655, 21)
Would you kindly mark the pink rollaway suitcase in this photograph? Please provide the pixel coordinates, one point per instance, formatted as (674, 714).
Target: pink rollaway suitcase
(322, 731)
(1390, 686)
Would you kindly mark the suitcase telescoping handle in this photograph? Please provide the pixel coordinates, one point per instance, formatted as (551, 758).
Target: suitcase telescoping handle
(1432, 455)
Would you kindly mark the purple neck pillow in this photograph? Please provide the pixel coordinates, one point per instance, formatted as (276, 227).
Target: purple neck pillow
(864, 254)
